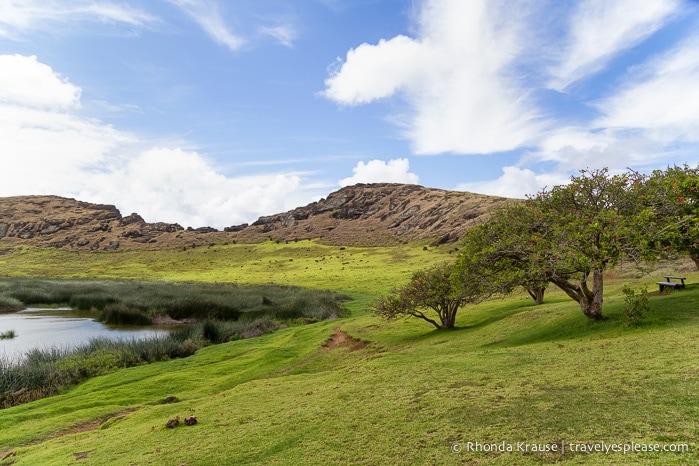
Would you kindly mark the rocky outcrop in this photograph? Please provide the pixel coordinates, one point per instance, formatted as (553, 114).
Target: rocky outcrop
(382, 213)
(52, 221)
(363, 214)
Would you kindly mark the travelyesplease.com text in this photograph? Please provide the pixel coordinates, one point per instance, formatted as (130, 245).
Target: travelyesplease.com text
(574, 447)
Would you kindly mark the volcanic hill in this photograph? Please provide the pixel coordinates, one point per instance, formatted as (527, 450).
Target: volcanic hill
(363, 214)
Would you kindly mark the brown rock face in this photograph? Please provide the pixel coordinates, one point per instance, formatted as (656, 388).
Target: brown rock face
(363, 214)
(378, 214)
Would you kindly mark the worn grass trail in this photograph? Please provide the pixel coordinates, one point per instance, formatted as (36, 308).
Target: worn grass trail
(512, 372)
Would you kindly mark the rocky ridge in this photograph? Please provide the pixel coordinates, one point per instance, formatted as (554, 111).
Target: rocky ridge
(363, 214)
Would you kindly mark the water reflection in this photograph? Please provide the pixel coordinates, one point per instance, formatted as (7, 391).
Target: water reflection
(60, 328)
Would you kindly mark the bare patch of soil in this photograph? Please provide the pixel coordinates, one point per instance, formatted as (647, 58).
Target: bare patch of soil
(83, 454)
(342, 340)
(89, 426)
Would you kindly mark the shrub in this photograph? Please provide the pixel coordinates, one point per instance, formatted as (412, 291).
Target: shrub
(122, 314)
(636, 304)
(211, 332)
(10, 304)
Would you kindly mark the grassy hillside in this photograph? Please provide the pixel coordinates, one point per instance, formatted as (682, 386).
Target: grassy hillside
(362, 272)
(360, 390)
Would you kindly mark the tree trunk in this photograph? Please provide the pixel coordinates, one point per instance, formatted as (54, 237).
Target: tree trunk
(592, 307)
(448, 315)
(537, 294)
(590, 300)
(695, 258)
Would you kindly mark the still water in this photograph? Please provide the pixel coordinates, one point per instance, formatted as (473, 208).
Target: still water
(60, 328)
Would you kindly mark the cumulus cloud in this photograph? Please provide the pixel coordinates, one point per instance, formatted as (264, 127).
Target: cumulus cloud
(600, 29)
(176, 185)
(515, 182)
(455, 75)
(378, 171)
(34, 84)
(47, 147)
(492, 76)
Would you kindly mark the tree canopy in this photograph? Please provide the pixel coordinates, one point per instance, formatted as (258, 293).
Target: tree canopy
(571, 234)
(430, 295)
(567, 236)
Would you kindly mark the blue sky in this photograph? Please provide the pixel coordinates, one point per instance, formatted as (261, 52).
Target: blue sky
(213, 112)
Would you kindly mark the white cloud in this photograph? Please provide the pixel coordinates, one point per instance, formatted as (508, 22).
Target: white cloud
(21, 16)
(285, 34)
(206, 14)
(575, 148)
(662, 97)
(455, 75)
(28, 82)
(515, 183)
(47, 147)
(378, 171)
(175, 185)
(600, 29)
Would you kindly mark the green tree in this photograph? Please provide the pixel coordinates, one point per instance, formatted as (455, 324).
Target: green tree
(673, 194)
(567, 236)
(502, 254)
(430, 291)
(593, 223)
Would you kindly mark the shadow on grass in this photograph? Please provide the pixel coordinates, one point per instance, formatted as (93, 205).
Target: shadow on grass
(566, 322)
(518, 323)
(508, 310)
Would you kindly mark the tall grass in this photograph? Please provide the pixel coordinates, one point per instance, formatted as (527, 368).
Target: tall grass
(123, 314)
(44, 372)
(132, 302)
(7, 335)
(10, 304)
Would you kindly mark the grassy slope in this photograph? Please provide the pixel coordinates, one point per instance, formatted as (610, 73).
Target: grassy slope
(511, 372)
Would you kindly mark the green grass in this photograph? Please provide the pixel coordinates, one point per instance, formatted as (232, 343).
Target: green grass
(510, 372)
(401, 393)
(7, 335)
(304, 263)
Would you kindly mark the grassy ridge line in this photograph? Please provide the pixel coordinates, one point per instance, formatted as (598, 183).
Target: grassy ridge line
(511, 372)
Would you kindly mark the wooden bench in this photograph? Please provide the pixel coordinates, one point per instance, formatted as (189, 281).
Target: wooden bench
(670, 284)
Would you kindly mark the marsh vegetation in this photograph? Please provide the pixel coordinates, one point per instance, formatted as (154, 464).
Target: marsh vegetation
(128, 302)
(216, 313)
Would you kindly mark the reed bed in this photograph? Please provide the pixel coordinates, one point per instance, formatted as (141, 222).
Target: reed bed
(135, 303)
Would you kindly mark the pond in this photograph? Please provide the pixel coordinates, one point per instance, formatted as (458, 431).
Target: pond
(37, 328)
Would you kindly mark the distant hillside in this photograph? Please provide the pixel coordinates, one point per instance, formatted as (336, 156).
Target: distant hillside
(363, 214)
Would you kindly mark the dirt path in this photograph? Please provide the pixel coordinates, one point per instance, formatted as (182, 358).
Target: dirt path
(341, 340)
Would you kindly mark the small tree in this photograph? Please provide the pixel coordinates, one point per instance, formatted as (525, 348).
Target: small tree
(428, 291)
(636, 304)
